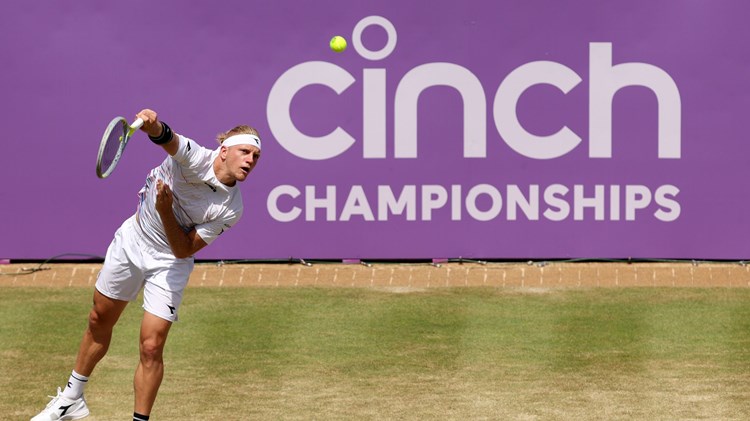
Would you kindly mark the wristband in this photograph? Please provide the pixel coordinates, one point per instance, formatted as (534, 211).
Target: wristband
(164, 137)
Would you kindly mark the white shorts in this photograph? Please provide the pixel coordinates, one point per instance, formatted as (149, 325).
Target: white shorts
(132, 263)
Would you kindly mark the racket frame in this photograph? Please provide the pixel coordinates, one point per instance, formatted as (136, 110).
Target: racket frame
(128, 130)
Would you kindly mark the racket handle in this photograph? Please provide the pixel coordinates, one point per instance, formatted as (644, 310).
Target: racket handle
(135, 126)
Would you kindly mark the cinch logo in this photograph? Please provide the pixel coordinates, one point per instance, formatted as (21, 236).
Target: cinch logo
(605, 79)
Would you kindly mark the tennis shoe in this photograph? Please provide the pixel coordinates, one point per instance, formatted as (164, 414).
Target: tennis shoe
(62, 408)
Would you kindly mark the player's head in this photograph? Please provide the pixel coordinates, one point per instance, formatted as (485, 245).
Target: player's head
(240, 151)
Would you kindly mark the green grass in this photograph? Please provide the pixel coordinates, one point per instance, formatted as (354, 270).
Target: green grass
(468, 353)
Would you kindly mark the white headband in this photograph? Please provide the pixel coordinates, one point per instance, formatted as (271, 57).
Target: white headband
(242, 139)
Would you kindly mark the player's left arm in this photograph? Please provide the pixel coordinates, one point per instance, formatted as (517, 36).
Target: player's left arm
(183, 244)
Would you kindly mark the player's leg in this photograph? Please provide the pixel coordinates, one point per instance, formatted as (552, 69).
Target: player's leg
(95, 343)
(166, 279)
(119, 282)
(150, 371)
(162, 295)
(69, 403)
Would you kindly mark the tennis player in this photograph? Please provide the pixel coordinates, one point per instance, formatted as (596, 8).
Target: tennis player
(186, 203)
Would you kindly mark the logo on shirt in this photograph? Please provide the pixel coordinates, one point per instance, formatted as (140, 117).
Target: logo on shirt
(222, 228)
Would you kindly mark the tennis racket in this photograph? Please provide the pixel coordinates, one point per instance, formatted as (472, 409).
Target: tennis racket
(113, 143)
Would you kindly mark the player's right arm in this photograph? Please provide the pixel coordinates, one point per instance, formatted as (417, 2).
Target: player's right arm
(155, 129)
(183, 244)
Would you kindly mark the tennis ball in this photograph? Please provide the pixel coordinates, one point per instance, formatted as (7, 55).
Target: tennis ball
(338, 44)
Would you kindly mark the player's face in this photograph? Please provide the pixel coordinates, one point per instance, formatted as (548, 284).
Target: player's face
(241, 159)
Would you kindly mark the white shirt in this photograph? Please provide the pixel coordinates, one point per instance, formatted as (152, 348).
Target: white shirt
(201, 201)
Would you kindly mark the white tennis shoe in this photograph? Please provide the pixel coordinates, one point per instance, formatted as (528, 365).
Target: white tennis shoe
(61, 408)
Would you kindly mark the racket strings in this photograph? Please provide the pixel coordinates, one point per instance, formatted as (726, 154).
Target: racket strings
(112, 147)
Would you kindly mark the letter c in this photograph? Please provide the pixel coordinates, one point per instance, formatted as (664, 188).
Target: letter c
(280, 119)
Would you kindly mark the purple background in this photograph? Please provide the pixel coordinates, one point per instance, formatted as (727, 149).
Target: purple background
(69, 67)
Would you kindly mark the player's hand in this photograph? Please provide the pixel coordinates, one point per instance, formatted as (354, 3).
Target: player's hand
(164, 197)
(151, 124)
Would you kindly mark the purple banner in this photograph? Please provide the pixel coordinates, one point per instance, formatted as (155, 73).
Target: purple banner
(481, 129)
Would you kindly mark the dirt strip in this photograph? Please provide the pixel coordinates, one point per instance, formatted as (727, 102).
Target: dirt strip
(417, 275)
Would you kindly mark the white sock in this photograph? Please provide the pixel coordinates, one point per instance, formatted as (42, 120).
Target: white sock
(76, 383)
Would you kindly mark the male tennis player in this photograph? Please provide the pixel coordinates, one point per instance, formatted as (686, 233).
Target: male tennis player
(186, 203)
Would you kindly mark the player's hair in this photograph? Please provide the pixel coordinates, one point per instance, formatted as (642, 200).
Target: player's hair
(221, 137)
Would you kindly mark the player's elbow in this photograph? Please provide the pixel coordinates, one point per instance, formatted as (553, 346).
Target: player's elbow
(180, 254)
(187, 245)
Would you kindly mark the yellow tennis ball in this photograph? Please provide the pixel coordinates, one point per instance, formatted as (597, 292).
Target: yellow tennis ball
(338, 44)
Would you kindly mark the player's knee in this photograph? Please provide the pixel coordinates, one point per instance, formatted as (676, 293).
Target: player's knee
(151, 351)
(99, 321)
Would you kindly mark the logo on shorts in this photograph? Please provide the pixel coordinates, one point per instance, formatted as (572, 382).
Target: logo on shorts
(171, 309)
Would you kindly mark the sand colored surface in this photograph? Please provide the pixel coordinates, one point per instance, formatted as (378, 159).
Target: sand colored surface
(417, 275)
